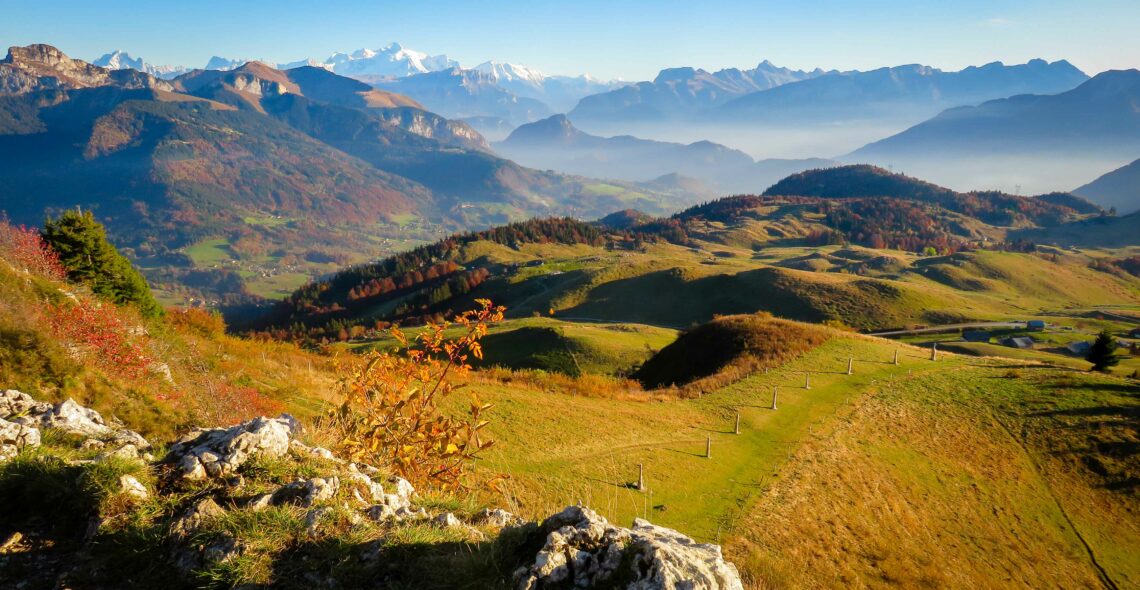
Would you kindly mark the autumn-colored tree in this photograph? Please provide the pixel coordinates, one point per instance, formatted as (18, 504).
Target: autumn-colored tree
(391, 414)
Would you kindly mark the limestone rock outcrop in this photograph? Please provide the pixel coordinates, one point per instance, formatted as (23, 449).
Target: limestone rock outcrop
(583, 550)
(219, 452)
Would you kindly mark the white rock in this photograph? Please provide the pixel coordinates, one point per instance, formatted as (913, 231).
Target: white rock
(260, 502)
(495, 517)
(71, 417)
(14, 437)
(198, 515)
(315, 517)
(305, 451)
(17, 403)
(219, 452)
(584, 550)
(307, 492)
(447, 520)
(132, 487)
(127, 452)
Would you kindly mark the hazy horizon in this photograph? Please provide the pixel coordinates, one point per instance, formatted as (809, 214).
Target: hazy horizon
(585, 37)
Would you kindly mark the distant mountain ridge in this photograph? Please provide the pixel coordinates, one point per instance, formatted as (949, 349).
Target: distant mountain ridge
(557, 144)
(1080, 133)
(684, 92)
(882, 92)
(1119, 189)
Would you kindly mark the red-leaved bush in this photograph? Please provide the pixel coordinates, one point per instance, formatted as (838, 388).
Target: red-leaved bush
(100, 334)
(25, 249)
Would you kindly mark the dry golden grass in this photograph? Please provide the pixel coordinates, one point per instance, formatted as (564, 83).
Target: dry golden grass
(918, 490)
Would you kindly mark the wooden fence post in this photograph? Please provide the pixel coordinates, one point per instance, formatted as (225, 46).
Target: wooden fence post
(807, 380)
(708, 447)
(850, 365)
(934, 352)
(641, 477)
(775, 390)
(737, 429)
(896, 356)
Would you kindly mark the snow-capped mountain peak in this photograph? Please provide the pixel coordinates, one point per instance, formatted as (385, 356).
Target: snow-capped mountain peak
(121, 60)
(508, 72)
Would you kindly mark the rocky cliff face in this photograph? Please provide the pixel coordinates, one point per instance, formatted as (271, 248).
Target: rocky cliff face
(290, 496)
(43, 67)
(432, 126)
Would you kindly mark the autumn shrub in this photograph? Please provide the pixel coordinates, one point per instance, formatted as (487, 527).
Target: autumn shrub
(203, 322)
(220, 402)
(99, 333)
(391, 414)
(25, 249)
(584, 385)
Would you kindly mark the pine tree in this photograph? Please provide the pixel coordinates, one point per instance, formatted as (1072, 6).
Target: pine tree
(89, 258)
(1102, 354)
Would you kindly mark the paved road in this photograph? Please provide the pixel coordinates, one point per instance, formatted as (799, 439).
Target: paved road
(951, 328)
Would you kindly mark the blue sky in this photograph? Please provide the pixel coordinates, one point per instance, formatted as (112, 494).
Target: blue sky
(630, 39)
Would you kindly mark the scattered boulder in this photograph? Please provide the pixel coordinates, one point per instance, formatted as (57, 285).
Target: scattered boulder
(127, 452)
(67, 416)
(15, 404)
(71, 417)
(372, 491)
(218, 452)
(195, 517)
(307, 492)
(305, 451)
(447, 520)
(315, 517)
(496, 517)
(14, 437)
(132, 487)
(584, 550)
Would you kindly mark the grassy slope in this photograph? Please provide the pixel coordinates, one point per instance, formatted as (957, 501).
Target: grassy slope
(958, 458)
(675, 286)
(569, 347)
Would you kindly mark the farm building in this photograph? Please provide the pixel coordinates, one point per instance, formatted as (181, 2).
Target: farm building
(976, 336)
(1079, 348)
(1035, 325)
(1018, 342)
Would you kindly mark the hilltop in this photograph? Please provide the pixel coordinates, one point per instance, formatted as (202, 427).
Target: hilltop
(868, 249)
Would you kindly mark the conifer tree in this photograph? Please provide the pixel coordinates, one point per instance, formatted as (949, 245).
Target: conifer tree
(89, 258)
(1102, 354)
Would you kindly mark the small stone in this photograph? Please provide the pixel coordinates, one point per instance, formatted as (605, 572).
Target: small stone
(307, 492)
(193, 519)
(260, 502)
(447, 520)
(315, 517)
(127, 452)
(132, 487)
(495, 517)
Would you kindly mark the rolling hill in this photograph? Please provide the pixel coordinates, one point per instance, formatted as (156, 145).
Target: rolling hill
(848, 251)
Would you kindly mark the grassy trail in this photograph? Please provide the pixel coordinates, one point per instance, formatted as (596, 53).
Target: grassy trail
(698, 495)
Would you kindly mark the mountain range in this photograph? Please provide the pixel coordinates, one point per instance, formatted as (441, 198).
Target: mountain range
(274, 164)
(1037, 141)
(683, 92)
(510, 92)
(772, 111)
(555, 143)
